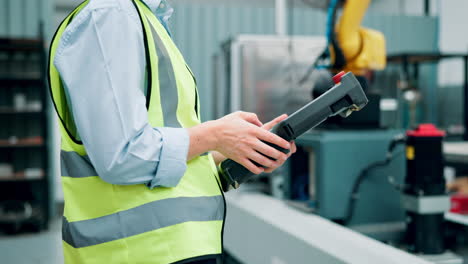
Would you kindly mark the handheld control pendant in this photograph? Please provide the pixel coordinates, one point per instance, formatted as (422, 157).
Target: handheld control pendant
(342, 99)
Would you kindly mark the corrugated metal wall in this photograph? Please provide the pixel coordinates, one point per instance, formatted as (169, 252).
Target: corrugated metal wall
(21, 18)
(198, 30)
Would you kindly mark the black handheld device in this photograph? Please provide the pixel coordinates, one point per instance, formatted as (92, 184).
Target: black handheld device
(342, 99)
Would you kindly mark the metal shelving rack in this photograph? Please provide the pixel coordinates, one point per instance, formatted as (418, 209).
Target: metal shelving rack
(24, 170)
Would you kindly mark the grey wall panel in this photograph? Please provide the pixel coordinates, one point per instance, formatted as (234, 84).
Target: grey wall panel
(199, 30)
(21, 18)
(17, 19)
(31, 14)
(451, 106)
(3, 18)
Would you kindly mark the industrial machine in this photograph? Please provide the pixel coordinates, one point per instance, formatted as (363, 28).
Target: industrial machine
(332, 163)
(272, 75)
(425, 197)
(360, 172)
(265, 74)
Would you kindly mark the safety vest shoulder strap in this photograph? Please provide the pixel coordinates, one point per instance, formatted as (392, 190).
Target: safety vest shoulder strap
(57, 92)
(72, 140)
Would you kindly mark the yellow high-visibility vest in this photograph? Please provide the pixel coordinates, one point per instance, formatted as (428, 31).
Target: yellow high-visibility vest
(106, 223)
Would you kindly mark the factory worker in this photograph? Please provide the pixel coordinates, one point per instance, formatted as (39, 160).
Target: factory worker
(138, 165)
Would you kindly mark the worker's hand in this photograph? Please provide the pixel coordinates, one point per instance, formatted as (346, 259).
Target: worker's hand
(239, 137)
(293, 149)
(460, 185)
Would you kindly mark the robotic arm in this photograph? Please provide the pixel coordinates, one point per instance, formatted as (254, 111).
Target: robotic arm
(363, 48)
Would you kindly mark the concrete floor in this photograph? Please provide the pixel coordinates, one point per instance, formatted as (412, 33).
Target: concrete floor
(33, 248)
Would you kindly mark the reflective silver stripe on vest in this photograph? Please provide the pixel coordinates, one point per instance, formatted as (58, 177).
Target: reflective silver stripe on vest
(142, 219)
(167, 83)
(76, 166)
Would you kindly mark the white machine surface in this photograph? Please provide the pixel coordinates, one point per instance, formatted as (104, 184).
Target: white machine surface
(457, 218)
(263, 230)
(456, 152)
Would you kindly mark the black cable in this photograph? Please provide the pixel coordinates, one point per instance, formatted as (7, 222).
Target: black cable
(399, 139)
(398, 186)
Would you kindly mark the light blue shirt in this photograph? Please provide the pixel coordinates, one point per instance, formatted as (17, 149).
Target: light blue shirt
(101, 60)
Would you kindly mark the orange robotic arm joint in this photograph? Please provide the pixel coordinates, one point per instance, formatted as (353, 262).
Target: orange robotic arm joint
(364, 49)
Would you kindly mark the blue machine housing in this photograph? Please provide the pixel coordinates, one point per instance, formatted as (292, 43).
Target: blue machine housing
(336, 159)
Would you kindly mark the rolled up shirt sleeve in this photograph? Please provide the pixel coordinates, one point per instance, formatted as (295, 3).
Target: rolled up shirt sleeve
(173, 157)
(101, 61)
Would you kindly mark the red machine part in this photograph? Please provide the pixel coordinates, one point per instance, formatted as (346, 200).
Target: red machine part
(426, 130)
(459, 204)
(338, 76)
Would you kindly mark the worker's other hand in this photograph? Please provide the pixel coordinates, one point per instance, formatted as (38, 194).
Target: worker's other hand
(239, 137)
(459, 185)
(293, 149)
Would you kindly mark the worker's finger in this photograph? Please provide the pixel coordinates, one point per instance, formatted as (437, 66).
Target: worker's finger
(293, 148)
(269, 151)
(278, 163)
(267, 136)
(251, 118)
(275, 121)
(262, 160)
(248, 164)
